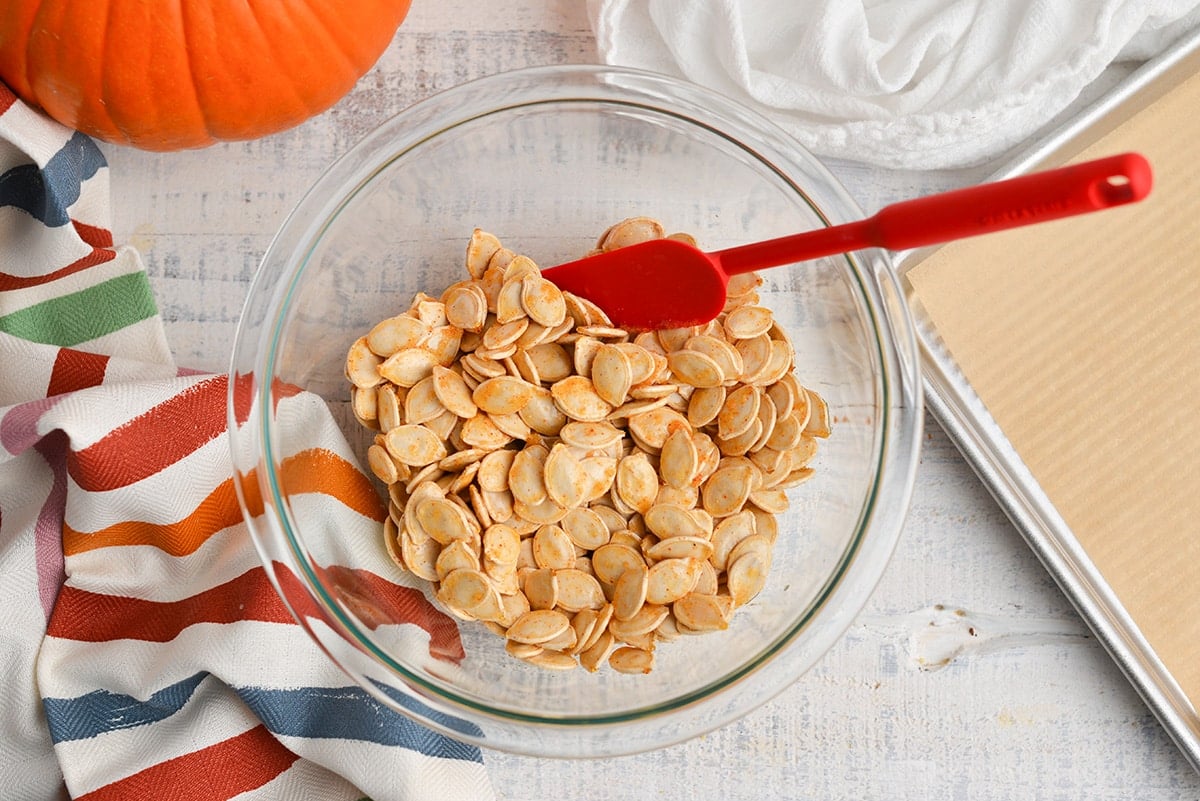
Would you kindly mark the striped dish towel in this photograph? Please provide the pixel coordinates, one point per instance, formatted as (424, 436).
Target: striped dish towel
(145, 653)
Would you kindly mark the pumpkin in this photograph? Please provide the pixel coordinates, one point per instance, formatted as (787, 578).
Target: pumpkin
(173, 74)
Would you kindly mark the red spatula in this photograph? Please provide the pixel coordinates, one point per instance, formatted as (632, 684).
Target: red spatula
(665, 283)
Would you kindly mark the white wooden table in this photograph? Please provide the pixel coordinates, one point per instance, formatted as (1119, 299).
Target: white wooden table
(1012, 699)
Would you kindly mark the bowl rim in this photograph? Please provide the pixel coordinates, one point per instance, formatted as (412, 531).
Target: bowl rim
(897, 436)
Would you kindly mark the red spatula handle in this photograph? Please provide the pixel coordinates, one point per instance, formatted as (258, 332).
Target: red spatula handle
(1028, 199)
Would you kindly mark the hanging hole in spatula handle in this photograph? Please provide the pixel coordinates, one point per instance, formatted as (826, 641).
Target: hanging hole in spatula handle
(1034, 198)
(1117, 189)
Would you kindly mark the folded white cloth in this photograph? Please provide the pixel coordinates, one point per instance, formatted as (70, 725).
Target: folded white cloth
(900, 83)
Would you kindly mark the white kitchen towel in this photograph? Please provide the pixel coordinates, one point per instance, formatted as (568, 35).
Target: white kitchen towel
(914, 84)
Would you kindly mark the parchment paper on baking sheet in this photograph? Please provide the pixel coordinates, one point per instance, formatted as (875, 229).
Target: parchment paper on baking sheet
(1082, 338)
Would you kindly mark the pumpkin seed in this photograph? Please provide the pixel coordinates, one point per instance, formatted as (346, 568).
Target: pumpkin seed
(482, 368)
(551, 361)
(526, 479)
(653, 427)
(541, 588)
(586, 529)
(512, 425)
(480, 432)
(521, 650)
(679, 459)
(365, 405)
(466, 307)
(766, 423)
(469, 590)
(756, 357)
(520, 266)
(494, 469)
(500, 336)
(787, 433)
(552, 548)
(565, 479)
(747, 322)
(577, 398)
(443, 520)
(746, 577)
(818, 421)
(543, 301)
(421, 403)
(637, 481)
(629, 593)
(420, 557)
(695, 368)
(395, 334)
(503, 395)
(508, 302)
(728, 533)
(770, 500)
(700, 613)
(578, 590)
(671, 579)
(542, 414)
(538, 626)
(600, 473)
(727, 490)
(501, 544)
(739, 412)
(482, 247)
(414, 445)
(630, 232)
(389, 406)
(696, 548)
(363, 365)
(562, 642)
(591, 436)
(382, 464)
(595, 655)
(611, 374)
(584, 624)
(673, 339)
(498, 505)
(406, 367)
(647, 619)
(704, 405)
(611, 561)
(545, 513)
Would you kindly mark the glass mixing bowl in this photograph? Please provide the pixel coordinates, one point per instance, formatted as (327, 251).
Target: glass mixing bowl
(546, 159)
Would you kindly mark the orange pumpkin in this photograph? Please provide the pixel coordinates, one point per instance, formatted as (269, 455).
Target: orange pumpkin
(172, 74)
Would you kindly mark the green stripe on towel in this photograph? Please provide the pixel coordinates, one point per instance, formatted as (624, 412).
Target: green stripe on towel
(84, 315)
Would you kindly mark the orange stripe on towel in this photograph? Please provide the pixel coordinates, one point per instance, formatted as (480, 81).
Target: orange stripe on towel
(314, 470)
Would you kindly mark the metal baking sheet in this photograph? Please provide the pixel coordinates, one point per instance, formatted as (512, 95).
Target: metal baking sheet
(953, 402)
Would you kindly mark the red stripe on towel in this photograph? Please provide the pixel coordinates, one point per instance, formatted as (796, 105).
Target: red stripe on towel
(76, 369)
(85, 616)
(154, 440)
(93, 235)
(216, 773)
(97, 256)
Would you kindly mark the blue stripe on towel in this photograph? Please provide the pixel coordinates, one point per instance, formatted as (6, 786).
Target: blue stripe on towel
(348, 713)
(48, 193)
(413, 705)
(101, 711)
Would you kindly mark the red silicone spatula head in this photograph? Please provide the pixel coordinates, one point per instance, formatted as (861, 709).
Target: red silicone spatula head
(665, 283)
